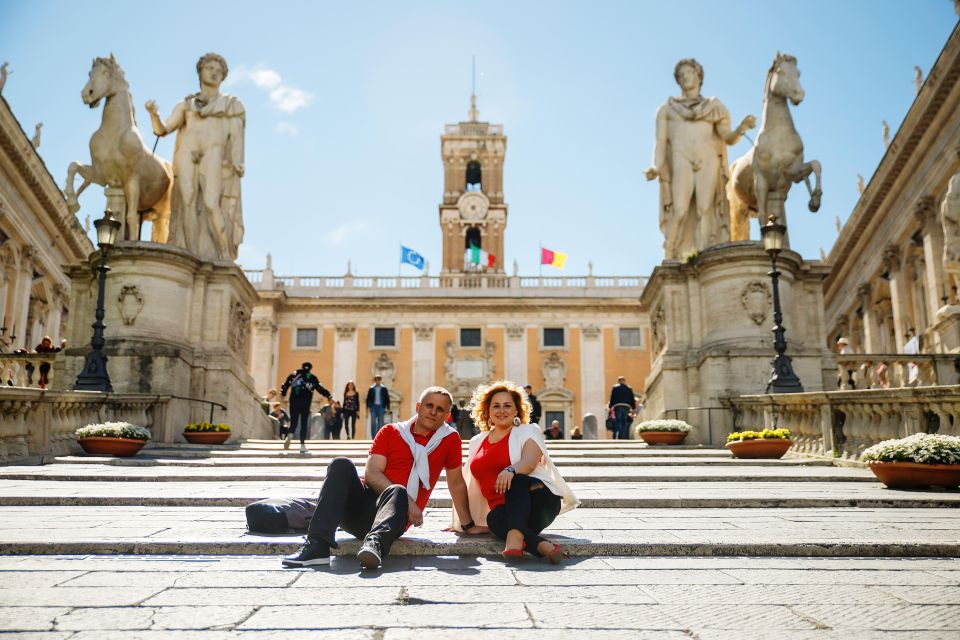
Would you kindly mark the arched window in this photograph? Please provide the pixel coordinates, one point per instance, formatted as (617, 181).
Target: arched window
(474, 175)
(473, 238)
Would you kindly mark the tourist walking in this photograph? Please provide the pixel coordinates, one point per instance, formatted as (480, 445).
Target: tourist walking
(351, 407)
(514, 487)
(622, 404)
(403, 467)
(535, 410)
(378, 403)
(301, 384)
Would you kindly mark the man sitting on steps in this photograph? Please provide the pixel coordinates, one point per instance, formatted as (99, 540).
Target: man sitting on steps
(402, 469)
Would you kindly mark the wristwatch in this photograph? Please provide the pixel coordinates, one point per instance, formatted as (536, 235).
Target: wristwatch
(511, 469)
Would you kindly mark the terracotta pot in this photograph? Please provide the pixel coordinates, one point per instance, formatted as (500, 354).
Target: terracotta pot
(206, 437)
(101, 445)
(913, 475)
(663, 437)
(771, 448)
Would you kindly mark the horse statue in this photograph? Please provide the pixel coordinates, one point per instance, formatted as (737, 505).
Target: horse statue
(119, 157)
(760, 180)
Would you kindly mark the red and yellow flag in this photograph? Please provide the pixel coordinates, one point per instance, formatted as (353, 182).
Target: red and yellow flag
(552, 258)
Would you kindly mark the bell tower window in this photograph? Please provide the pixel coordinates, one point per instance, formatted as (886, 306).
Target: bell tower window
(474, 175)
(473, 238)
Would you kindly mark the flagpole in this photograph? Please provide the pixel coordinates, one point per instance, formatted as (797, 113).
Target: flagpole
(400, 265)
(540, 260)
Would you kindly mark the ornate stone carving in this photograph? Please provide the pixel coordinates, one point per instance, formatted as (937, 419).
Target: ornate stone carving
(591, 331)
(491, 367)
(950, 221)
(554, 371)
(891, 257)
(423, 331)
(863, 290)
(924, 210)
(238, 329)
(658, 325)
(346, 331)
(384, 367)
(264, 325)
(756, 301)
(130, 303)
(515, 331)
(28, 254)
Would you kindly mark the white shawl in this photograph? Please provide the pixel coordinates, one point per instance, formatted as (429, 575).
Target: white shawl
(546, 472)
(420, 472)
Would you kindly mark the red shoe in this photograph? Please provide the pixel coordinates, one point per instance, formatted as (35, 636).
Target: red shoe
(514, 554)
(556, 555)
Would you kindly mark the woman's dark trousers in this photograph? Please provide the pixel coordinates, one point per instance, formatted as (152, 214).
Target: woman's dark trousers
(350, 422)
(345, 502)
(529, 511)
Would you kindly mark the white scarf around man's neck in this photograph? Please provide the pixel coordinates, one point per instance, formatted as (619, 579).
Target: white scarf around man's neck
(420, 472)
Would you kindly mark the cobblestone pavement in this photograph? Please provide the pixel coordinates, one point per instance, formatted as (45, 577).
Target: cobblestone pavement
(616, 597)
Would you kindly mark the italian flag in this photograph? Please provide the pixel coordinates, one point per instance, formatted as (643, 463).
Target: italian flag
(476, 255)
(552, 258)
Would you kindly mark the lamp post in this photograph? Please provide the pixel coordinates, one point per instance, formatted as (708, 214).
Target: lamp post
(782, 378)
(94, 376)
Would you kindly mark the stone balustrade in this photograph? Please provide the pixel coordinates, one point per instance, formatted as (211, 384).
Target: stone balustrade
(844, 423)
(891, 371)
(476, 284)
(37, 423)
(23, 369)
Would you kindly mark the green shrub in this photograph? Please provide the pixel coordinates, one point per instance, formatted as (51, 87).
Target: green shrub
(766, 434)
(924, 448)
(113, 430)
(662, 425)
(205, 427)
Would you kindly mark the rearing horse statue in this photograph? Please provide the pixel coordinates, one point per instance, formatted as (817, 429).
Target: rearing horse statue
(760, 180)
(119, 157)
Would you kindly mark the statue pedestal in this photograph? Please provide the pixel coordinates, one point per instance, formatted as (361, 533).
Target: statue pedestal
(175, 326)
(946, 329)
(711, 337)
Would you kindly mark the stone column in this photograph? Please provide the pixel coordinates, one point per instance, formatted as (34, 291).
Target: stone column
(263, 352)
(926, 215)
(424, 359)
(515, 354)
(869, 324)
(898, 293)
(591, 371)
(21, 304)
(344, 358)
(55, 313)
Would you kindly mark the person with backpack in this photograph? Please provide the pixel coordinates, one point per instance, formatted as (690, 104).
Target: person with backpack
(301, 384)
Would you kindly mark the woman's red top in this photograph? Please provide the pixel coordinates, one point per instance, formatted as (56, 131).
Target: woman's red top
(488, 462)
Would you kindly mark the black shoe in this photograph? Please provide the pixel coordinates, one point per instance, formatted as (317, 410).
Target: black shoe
(313, 552)
(370, 554)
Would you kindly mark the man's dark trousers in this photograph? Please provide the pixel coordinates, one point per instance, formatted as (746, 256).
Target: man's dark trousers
(345, 502)
(621, 416)
(300, 418)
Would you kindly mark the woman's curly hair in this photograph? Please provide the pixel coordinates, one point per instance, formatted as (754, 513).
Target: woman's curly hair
(480, 402)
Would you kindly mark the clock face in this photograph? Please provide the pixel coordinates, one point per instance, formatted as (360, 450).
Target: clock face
(473, 205)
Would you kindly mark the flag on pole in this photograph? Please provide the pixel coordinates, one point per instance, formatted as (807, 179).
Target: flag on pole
(476, 255)
(411, 257)
(552, 258)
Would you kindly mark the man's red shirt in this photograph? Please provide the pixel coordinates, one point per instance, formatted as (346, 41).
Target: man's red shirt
(389, 444)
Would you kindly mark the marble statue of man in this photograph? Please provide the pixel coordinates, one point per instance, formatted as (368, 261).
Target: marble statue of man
(690, 159)
(950, 221)
(206, 217)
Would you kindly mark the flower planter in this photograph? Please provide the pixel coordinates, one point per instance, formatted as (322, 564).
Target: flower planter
(769, 448)
(663, 437)
(913, 475)
(101, 445)
(206, 437)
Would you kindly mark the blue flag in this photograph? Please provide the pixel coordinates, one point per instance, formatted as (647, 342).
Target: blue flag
(411, 257)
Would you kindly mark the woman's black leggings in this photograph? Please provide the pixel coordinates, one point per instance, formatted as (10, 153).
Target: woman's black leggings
(350, 422)
(530, 508)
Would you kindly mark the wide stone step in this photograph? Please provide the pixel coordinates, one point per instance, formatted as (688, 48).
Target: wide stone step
(592, 494)
(188, 531)
(315, 473)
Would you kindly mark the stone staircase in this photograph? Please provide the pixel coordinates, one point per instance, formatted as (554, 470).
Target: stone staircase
(186, 500)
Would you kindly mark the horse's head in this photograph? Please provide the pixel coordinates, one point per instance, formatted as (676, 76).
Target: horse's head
(785, 78)
(106, 78)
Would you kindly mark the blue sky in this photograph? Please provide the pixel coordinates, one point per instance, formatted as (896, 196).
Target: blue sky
(346, 103)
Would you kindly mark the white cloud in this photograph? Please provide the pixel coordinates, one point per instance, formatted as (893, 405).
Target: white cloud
(338, 235)
(284, 97)
(287, 129)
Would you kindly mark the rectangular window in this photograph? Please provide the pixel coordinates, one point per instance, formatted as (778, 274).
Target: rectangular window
(306, 337)
(384, 337)
(629, 337)
(553, 337)
(470, 337)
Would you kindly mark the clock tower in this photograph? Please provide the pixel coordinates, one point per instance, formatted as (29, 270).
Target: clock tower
(473, 213)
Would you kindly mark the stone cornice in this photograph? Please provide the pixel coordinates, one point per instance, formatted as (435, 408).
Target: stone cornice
(30, 167)
(933, 100)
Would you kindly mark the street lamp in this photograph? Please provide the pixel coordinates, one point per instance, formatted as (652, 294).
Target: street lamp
(94, 376)
(782, 378)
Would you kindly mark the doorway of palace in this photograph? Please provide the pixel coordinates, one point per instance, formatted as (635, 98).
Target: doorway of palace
(559, 417)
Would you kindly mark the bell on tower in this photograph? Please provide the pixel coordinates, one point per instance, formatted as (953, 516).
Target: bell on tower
(473, 215)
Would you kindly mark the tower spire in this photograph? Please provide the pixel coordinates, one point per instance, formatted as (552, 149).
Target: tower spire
(474, 113)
